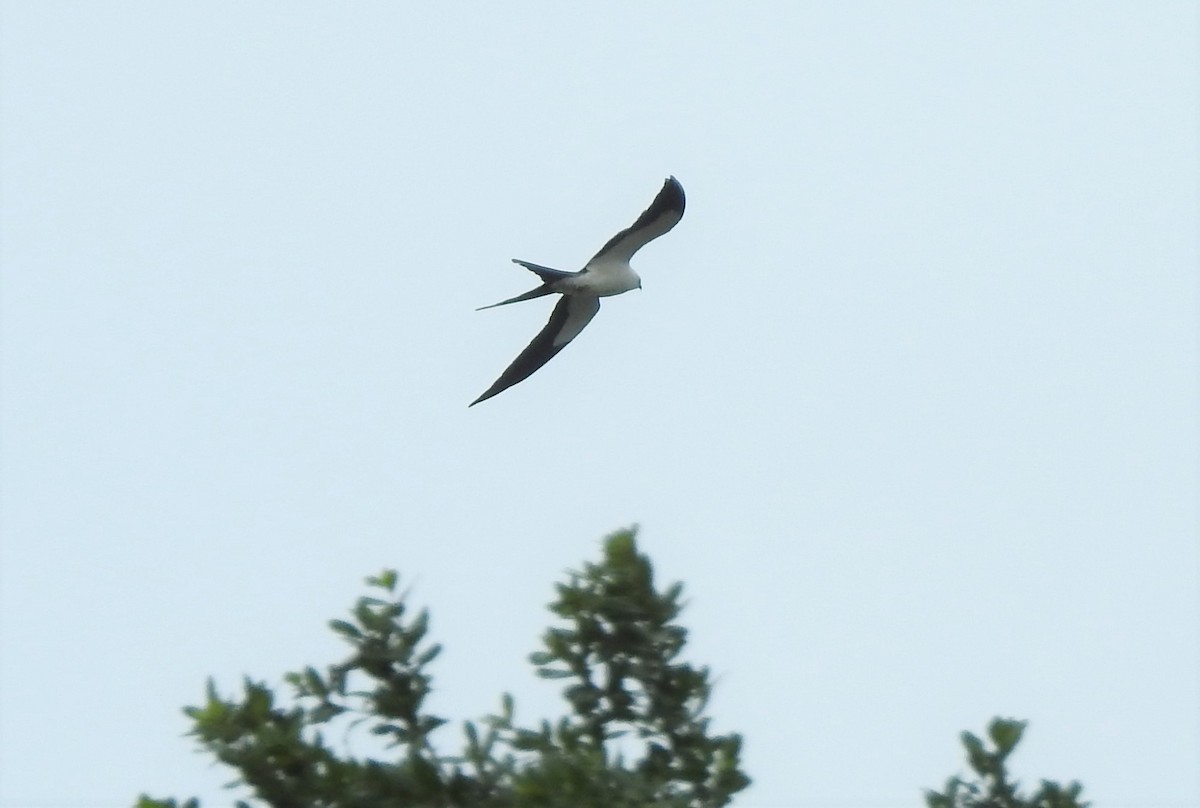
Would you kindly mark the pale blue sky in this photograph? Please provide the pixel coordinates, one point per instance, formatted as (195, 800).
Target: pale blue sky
(908, 400)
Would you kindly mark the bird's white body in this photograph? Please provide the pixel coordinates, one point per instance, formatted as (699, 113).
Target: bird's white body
(601, 278)
(607, 274)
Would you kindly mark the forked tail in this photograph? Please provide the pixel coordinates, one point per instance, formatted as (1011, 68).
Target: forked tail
(548, 276)
(544, 289)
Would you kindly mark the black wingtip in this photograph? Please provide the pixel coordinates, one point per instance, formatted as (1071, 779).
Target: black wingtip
(670, 198)
(678, 197)
(489, 393)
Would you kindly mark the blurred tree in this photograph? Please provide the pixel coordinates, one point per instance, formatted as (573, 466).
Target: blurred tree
(993, 789)
(636, 734)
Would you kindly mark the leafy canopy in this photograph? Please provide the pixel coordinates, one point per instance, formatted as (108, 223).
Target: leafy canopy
(635, 733)
(993, 788)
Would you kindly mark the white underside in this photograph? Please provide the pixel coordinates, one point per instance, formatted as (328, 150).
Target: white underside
(601, 279)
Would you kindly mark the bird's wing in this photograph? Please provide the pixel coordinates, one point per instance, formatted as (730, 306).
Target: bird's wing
(570, 316)
(664, 213)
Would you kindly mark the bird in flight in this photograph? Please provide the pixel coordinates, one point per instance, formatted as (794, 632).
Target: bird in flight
(608, 273)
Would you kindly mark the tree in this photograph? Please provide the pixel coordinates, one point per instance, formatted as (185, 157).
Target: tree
(635, 734)
(993, 789)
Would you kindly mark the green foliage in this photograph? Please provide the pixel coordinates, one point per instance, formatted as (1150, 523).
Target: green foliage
(635, 735)
(993, 789)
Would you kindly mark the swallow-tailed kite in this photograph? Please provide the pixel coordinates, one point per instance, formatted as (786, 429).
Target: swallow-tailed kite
(608, 273)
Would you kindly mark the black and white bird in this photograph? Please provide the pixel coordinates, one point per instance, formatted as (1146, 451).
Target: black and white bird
(607, 274)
